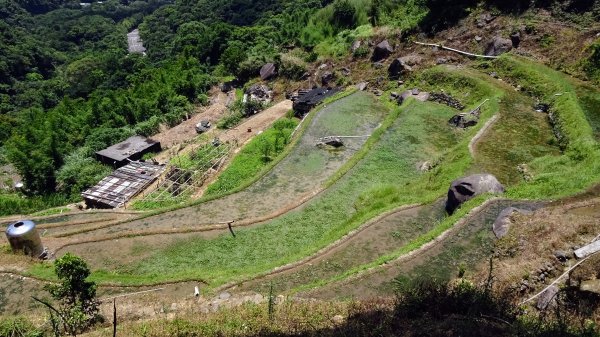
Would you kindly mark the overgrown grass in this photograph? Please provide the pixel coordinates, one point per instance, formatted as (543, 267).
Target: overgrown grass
(579, 166)
(254, 157)
(558, 176)
(14, 203)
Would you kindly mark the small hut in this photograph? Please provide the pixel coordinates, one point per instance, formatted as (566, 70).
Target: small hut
(133, 148)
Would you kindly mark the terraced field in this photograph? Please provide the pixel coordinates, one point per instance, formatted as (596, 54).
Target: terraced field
(361, 221)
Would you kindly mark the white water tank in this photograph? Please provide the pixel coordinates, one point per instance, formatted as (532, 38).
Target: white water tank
(24, 237)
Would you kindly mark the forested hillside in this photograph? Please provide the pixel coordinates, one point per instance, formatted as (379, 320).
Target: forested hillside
(68, 87)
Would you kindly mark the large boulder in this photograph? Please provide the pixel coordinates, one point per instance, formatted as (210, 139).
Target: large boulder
(515, 38)
(498, 46)
(398, 68)
(466, 188)
(382, 50)
(268, 71)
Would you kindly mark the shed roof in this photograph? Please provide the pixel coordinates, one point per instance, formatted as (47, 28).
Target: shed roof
(127, 148)
(123, 184)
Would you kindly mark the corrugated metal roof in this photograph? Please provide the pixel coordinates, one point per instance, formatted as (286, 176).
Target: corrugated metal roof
(123, 184)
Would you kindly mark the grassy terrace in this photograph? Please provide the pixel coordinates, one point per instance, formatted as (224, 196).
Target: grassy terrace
(387, 161)
(554, 175)
(381, 176)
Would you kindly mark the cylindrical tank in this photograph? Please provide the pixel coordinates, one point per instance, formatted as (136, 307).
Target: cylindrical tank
(23, 237)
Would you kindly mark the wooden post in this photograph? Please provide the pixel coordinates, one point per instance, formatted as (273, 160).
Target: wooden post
(114, 317)
(230, 228)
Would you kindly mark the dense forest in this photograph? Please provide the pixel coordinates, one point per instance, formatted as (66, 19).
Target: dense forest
(68, 86)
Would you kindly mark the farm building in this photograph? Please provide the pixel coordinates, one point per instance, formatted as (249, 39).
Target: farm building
(122, 185)
(308, 99)
(133, 148)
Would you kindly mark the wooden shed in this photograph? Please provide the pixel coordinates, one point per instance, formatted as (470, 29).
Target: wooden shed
(122, 185)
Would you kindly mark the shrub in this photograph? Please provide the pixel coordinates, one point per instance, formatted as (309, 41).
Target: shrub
(292, 67)
(18, 326)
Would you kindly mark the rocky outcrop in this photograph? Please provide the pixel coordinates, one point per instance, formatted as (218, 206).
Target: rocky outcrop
(259, 93)
(382, 50)
(443, 98)
(466, 188)
(268, 71)
(498, 46)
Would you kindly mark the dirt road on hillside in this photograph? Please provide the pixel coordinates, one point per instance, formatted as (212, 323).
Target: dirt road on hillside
(187, 129)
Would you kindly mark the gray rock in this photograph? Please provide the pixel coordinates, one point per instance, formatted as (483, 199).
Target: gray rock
(326, 78)
(498, 46)
(397, 68)
(478, 38)
(362, 86)
(203, 126)
(345, 71)
(224, 295)
(377, 65)
(466, 188)
(334, 142)
(592, 286)
(502, 223)
(424, 166)
(382, 50)
(355, 45)
(562, 256)
(404, 96)
(268, 71)
(547, 297)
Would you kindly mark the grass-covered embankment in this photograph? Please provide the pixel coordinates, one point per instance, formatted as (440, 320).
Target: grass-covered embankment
(254, 157)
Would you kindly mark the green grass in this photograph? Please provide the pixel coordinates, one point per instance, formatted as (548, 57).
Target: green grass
(51, 211)
(15, 203)
(579, 167)
(254, 157)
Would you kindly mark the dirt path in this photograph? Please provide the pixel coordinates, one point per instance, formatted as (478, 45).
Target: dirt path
(256, 123)
(186, 130)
